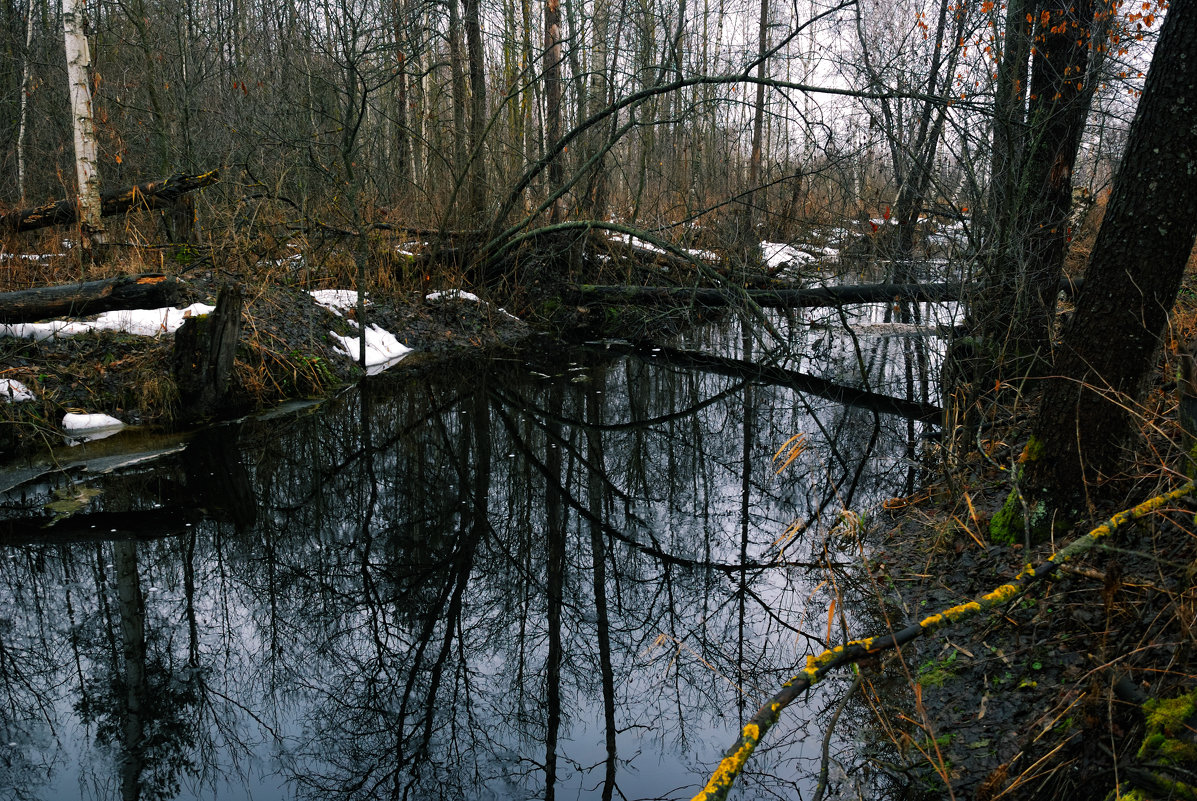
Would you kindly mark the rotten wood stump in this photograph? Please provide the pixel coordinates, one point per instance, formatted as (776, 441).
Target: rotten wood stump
(203, 357)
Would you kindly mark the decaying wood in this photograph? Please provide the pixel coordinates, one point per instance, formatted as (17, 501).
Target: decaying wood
(158, 194)
(770, 298)
(148, 291)
(203, 356)
(784, 298)
(779, 376)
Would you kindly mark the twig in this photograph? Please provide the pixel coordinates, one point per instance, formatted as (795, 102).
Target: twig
(835, 716)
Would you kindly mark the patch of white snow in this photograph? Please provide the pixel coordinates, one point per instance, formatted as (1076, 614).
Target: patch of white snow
(382, 348)
(87, 427)
(14, 391)
(336, 300)
(453, 294)
(140, 322)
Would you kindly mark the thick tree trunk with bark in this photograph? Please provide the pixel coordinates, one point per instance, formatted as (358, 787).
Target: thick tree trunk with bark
(476, 172)
(1009, 115)
(164, 193)
(149, 291)
(1086, 425)
(552, 100)
(1016, 313)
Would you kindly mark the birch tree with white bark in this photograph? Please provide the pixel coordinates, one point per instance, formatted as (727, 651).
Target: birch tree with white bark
(87, 173)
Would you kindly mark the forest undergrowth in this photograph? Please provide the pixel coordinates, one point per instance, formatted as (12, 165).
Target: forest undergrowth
(1083, 686)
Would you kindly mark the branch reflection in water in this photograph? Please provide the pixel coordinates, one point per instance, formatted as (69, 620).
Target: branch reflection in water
(566, 574)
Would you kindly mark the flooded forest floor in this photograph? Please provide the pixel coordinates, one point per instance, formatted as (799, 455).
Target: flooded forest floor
(1039, 699)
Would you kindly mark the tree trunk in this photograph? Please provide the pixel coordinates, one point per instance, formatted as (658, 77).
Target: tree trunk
(203, 357)
(1022, 301)
(476, 171)
(164, 193)
(458, 86)
(87, 173)
(552, 99)
(402, 160)
(1009, 116)
(148, 291)
(1086, 425)
(26, 90)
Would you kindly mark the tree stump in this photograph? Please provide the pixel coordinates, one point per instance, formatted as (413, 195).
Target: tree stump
(203, 357)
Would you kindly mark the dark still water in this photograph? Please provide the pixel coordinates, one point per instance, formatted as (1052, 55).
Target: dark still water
(564, 575)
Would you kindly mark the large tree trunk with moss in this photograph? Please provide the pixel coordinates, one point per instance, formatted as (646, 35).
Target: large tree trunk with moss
(1086, 427)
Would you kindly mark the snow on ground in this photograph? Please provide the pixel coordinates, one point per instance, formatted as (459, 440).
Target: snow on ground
(14, 391)
(140, 322)
(636, 242)
(453, 294)
(382, 348)
(460, 294)
(777, 254)
(336, 300)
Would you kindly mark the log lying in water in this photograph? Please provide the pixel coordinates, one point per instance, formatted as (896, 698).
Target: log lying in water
(769, 298)
(147, 291)
(779, 376)
(782, 298)
(142, 525)
(150, 195)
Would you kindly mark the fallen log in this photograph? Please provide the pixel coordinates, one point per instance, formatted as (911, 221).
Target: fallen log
(147, 291)
(782, 298)
(162, 193)
(767, 298)
(779, 376)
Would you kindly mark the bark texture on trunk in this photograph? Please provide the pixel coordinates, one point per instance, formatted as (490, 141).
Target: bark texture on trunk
(87, 172)
(149, 291)
(1087, 425)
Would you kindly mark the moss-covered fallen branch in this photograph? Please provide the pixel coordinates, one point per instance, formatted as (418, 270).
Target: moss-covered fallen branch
(817, 667)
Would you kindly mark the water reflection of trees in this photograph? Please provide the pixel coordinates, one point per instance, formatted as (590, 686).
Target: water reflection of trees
(520, 579)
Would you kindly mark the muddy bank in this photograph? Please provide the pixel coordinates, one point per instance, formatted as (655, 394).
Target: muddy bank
(1042, 696)
(290, 347)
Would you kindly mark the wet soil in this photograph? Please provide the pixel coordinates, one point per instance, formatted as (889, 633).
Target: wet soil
(1040, 698)
(285, 352)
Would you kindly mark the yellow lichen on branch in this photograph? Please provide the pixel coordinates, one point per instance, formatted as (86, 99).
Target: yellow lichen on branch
(817, 666)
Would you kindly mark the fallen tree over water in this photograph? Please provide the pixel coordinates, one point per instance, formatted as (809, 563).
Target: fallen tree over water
(783, 298)
(813, 385)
